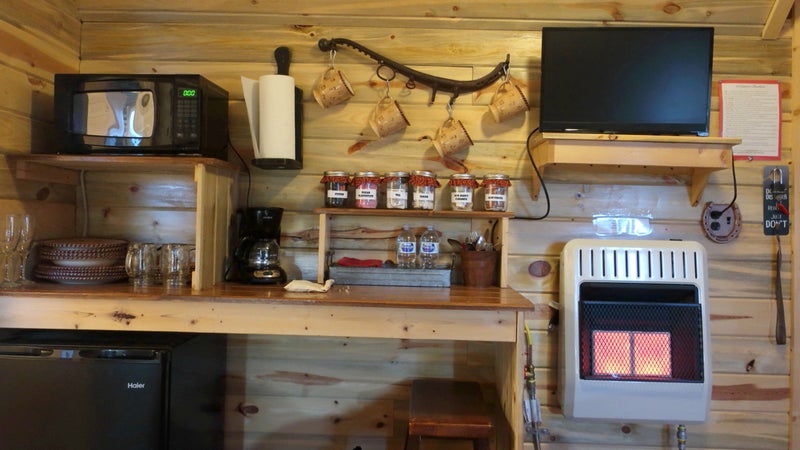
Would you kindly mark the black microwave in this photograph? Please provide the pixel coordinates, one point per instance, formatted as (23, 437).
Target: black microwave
(140, 114)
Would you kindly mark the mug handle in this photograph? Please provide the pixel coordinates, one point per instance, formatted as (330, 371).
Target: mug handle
(500, 89)
(130, 269)
(381, 104)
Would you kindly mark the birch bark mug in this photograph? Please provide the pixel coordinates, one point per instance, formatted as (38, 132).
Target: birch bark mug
(451, 137)
(332, 88)
(387, 117)
(508, 101)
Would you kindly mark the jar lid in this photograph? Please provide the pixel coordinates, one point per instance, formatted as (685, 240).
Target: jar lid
(396, 174)
(462, 176)
(495, 176)
(336, 173)
(367, 174)
(424, 173)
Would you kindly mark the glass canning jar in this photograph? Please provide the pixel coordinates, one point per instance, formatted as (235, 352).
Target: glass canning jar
(396, 184)
(462, 191)
(366, 189)
(423, 187)
(335, 188)
(495, 192)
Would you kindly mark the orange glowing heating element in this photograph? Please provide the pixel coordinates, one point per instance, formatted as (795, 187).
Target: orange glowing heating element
(632, 353)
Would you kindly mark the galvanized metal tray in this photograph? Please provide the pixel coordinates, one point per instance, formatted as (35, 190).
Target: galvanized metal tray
(390, 276)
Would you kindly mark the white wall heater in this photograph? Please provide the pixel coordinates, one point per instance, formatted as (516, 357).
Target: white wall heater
(634, 340)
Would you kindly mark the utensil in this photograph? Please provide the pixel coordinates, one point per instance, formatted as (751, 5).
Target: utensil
(456, 244)
(472, 240)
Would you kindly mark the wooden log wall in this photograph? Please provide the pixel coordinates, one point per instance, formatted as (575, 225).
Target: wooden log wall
(306, 393)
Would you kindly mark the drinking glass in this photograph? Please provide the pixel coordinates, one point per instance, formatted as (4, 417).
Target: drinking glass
(23, 247)
(141, 263)
(9, 229)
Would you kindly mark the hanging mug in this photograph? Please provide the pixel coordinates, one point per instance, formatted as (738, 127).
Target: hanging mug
(451, 137)
(332, 88)
(387, 117)
(508, 101)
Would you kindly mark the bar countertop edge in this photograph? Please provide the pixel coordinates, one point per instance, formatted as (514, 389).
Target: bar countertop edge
(454, 297)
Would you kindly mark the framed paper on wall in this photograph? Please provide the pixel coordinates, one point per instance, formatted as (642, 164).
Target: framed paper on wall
(751, 110)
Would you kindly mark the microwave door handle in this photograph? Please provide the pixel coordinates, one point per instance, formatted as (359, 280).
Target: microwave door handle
(25, 351)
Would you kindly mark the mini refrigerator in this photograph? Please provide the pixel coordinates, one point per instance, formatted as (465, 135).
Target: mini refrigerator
(111, 390)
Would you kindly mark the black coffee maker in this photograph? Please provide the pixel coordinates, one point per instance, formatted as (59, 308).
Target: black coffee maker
(257, 252)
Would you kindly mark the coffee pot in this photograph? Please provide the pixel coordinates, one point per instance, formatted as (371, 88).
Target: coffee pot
(261, 262)
(257, 253)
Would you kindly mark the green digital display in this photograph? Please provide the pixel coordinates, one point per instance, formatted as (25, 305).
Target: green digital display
(185, 92)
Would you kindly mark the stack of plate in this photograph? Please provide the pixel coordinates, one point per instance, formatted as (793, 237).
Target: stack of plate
(82, 260)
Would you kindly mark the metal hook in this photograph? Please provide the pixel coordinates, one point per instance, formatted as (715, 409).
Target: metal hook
(387, 79)
(506, 74)
(333, 56)
(380, 75)
(450, 107)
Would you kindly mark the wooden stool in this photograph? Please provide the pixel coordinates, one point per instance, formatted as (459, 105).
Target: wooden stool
(448, 409)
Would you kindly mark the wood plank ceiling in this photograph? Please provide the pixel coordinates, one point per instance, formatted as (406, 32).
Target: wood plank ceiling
(767, 18)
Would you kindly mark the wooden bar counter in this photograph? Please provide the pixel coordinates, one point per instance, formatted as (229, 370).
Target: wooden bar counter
(455, 313)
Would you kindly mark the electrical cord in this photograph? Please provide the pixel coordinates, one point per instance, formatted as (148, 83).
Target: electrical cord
(718, 214)
(541, 181)
(539, 176)
(247, 170)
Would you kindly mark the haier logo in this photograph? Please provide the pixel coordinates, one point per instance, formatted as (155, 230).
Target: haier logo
(135, 385)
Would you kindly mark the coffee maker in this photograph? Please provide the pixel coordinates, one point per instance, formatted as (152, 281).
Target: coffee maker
(257, 252)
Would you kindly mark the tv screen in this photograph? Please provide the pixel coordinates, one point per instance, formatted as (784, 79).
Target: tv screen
(632, 80)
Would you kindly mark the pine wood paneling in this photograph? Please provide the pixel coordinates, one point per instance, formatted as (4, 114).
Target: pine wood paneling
(297, 382)
(753, 13)
(36, 40)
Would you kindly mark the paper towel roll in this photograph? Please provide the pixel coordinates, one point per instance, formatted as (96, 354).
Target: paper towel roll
(276, 117)
(270, 108)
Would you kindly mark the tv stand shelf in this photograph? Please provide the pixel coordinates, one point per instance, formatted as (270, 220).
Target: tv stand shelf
(695, 156)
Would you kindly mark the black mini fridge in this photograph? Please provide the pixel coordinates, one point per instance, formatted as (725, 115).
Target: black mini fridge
(111, 390)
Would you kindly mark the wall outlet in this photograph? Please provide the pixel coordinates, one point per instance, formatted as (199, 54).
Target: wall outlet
(722, 222)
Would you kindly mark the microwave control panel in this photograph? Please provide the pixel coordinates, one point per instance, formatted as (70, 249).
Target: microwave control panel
(187, 104)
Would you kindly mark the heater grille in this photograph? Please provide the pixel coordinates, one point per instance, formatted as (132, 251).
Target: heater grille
(638, 264)
(640, 341)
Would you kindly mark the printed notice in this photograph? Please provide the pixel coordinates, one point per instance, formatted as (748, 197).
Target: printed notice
(751, 111)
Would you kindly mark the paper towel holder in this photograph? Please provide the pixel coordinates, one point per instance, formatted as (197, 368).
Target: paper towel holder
(287, 163)
(282, 59)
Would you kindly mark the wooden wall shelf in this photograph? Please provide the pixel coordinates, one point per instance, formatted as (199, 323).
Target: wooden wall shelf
(326, 213)
(695, 156)
(215, 180)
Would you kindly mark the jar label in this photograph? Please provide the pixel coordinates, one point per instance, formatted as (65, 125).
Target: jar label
(461, 197)
(423, 196)
(495, 197)
(397, 194)
(336, 194)
(366, 194)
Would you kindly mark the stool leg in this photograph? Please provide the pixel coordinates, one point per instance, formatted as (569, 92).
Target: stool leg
(412, 442)
(480, 444)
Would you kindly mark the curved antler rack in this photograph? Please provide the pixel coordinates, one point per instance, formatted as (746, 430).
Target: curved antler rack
(455, 87)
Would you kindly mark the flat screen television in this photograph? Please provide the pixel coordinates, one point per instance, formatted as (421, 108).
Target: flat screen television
(626, 80)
